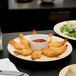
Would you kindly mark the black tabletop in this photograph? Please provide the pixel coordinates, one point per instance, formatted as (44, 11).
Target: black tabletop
(36, 68)
(37, 4)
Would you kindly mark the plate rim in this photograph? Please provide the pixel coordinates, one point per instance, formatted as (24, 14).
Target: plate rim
(65, 68)
(61, 34)
(41, 61)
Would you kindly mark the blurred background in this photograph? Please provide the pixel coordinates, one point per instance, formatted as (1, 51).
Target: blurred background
(20, 20)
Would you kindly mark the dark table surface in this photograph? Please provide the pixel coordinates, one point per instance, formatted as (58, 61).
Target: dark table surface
(37, 4)
(37, 68)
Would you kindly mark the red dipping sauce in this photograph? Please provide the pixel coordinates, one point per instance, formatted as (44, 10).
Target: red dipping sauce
(39, 40)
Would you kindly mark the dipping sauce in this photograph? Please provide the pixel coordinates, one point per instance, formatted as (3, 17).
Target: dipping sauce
(39, 40)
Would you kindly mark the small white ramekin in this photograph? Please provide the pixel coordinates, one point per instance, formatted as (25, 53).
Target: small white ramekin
(39, 45)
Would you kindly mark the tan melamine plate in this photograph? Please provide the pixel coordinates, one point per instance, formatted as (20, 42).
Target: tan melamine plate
(43, 58)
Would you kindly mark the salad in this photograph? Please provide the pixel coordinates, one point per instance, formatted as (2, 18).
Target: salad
(69, 29)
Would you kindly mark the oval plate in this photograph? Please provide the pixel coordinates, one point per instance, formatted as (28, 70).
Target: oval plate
(11, 50)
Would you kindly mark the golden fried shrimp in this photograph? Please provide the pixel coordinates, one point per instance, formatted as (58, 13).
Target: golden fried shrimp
(24, 52)
(57, 44)
(54, 51)
(34, 32)
(36, 54)
(17, 45)
(24, 41)
(50, 37)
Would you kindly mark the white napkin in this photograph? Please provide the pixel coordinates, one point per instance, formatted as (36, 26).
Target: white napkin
(7, 65)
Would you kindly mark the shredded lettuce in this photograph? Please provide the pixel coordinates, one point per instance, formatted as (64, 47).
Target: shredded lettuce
(65, 25)
(67, 21)
(74, 34)
(62, 29)
(73, 24)
(69, 32)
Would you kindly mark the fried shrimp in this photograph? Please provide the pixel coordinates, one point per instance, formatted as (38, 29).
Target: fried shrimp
(34, 32)
(24, 41)
(24, 52)
(54, 51)
(36, 54)
(17, 45)
(50, 37)
(57, 44)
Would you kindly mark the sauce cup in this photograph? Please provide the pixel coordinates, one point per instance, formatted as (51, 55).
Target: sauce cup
(38, 42)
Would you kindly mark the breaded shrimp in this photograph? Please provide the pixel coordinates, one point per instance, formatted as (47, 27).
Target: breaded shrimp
(36, 54)
(17, 45)
(24, 52)
(54, 51)
(50, 37)
(57, 44)
(34, 32)
(24, 41)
